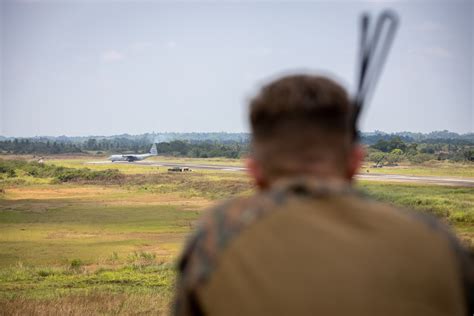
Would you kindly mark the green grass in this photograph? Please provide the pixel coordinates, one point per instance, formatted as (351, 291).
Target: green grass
(86, 242)
(453, 204)
(140, 287)
(71, 248)
(125, 168)
(128, 168)
(51, 282)
(52, 232)
(430, 168)
(204, 161)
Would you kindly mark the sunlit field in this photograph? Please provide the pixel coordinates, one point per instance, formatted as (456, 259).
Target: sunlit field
(103, 246)
(429, 168)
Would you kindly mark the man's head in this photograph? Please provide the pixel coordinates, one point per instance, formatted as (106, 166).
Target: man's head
(301, 125)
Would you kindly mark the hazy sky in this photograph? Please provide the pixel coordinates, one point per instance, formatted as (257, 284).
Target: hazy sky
(109, 67)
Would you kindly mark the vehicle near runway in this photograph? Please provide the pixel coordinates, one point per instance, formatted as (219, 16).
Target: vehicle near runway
(134, 157)
(179, 169)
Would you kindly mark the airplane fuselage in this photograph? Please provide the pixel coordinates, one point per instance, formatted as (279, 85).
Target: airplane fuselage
(129, 158)
(134, 157)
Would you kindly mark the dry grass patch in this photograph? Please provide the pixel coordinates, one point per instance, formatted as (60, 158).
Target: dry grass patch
(58, 192)
(21, 197)
(92, 304)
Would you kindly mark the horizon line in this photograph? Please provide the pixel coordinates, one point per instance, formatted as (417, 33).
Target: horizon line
(217, 132)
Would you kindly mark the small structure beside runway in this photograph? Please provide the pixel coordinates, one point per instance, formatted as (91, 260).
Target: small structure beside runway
(179, 169)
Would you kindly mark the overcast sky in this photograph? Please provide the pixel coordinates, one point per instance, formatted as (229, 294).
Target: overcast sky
(109, 67)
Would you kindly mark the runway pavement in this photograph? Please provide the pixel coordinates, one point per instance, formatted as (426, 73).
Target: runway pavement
(455, 182)
(446, 181)
(175, 164)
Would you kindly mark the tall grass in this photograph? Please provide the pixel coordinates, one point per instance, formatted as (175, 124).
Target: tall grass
(456, 205)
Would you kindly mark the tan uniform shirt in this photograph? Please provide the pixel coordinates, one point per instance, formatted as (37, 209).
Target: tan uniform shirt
(312, 248)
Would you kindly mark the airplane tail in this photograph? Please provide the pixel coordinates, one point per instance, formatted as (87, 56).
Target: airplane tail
(153, 150)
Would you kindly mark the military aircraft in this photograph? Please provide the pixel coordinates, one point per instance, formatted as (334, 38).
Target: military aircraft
(134, 157)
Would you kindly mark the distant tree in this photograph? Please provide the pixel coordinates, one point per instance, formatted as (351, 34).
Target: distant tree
(377, 157)
(420, 158)
(91, 144)
(412, 149)
(469, 154)
(389, 145)
(394, 156)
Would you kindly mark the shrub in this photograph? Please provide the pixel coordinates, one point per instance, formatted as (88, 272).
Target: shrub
(420, 158)
(60, 174)
(75, 264)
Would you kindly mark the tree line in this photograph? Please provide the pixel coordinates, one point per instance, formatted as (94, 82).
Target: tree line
(196, 149)
(395, 150)
(384, 150)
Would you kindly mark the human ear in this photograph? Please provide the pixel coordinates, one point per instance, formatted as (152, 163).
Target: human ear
(255, 171)
(356, 158)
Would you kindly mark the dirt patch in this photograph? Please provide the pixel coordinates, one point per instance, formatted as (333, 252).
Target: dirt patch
(71, 235)
(18, 198)
(57, 192)
(32, 206)
(186, 204)
(159, 237)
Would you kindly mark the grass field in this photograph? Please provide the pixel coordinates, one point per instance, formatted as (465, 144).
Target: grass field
(79, 249)
(430, 168)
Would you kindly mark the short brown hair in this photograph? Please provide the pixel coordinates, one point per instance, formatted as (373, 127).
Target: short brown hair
(300, 119)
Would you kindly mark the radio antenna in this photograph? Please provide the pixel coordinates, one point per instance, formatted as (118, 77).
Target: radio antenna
(373, 51)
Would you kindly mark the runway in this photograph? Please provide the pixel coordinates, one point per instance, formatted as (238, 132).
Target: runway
(444, 181)
(175, 164)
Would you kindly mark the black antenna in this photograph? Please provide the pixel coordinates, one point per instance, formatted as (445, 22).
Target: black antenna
(373, 52)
